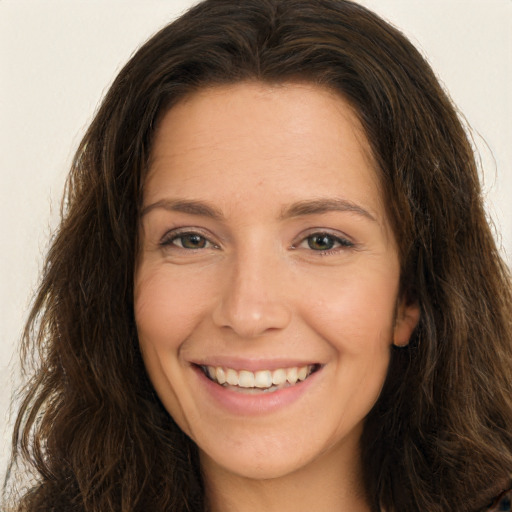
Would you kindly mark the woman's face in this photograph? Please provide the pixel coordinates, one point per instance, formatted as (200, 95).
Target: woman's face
(266, 285)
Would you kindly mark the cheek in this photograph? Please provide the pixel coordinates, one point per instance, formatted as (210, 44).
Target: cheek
(354, 312)
(166, 313)
(166, 308)
(355, 316)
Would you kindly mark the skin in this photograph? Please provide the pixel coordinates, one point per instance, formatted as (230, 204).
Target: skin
(257, 286)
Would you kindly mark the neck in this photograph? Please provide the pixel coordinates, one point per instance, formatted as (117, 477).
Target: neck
(327, 483)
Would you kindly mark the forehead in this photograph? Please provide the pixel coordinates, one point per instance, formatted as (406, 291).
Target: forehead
(301, 109)
(295, 138)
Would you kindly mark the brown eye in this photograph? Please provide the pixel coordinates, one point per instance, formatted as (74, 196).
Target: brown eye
(325, 242)
(321, 242)
(187, 240)
(190, 241)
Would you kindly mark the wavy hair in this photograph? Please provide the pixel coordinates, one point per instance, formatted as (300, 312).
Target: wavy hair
(91, 430)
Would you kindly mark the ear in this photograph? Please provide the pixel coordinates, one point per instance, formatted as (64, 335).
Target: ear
(406, 320)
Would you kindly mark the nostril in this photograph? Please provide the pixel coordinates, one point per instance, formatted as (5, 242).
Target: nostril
(251, 318)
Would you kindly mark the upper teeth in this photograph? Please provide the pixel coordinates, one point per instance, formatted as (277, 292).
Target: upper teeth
(260, 379)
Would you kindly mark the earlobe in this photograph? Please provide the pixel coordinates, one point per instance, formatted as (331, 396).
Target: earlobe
(407, 318)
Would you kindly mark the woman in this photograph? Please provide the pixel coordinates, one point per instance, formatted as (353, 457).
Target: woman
(274, 284)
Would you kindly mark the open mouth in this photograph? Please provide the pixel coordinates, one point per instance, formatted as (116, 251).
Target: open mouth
(245, 381)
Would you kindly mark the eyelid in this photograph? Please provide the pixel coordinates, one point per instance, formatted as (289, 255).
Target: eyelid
(167, 239)
(344, 241)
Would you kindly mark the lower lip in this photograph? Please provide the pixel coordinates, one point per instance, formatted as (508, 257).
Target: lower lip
(239, 403)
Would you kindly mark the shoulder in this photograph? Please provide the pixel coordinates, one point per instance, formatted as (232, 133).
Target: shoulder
(503, 503)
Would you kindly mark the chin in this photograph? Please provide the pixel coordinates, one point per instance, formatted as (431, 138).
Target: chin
(256, 466)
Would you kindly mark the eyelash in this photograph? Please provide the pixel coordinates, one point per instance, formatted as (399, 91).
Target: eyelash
(170, 238)
(342, 243)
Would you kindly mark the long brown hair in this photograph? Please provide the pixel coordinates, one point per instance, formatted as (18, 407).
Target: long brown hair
(92, 430)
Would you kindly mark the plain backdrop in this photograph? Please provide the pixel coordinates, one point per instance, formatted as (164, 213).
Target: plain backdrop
(58, 57)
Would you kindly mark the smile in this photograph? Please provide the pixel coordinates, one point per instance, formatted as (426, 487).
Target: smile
(262, 380)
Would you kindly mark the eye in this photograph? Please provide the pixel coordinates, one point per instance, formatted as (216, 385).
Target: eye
(324, 242)
(187, 240)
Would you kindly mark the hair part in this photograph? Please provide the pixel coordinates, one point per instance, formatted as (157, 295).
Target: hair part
(91, 425)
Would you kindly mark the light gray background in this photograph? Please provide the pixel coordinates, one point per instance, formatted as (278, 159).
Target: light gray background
(57, 58)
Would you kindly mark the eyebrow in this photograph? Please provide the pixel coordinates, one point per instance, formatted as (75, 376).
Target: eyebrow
(298, 209)
(324, 205)
(185, 206)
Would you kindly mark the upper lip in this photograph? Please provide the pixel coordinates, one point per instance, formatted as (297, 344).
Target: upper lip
(253, 365)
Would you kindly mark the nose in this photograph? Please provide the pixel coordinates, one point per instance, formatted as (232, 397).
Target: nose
(254, 297)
